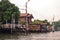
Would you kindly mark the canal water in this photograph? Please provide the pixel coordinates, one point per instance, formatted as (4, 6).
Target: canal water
(31, 36)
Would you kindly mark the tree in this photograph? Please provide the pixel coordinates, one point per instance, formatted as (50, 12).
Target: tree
(37, 21)
(6, 11)
(45, 20)
(57, 23)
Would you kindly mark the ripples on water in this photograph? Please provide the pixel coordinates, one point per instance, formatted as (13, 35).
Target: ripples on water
(32, 36)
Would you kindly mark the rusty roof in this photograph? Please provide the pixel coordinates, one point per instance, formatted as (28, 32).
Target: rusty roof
(39, 23)
(26, 15)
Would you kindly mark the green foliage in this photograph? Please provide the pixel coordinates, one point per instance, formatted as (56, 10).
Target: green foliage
(40, 21)
(6, 11)
(36, 21)
(45, 21)
(57, 24)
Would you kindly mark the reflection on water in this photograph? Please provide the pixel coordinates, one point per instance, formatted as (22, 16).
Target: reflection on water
(32, 36)
(8, 36)
(14, 36)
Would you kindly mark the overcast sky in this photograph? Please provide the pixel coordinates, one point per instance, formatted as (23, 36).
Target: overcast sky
(40, 9)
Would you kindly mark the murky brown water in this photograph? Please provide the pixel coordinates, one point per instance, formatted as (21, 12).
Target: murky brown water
(32, 36)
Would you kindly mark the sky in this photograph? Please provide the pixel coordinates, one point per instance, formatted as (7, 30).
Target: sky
(40, 9)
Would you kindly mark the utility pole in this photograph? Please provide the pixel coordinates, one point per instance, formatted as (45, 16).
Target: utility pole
(6, 23)
(26, 5)
(53, 24)
(26, 17)
(11, 23)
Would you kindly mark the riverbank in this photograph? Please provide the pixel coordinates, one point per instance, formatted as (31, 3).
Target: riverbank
(9, 31)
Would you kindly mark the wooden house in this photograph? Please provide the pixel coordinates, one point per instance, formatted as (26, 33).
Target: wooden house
(26, 17)
(38, 27)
